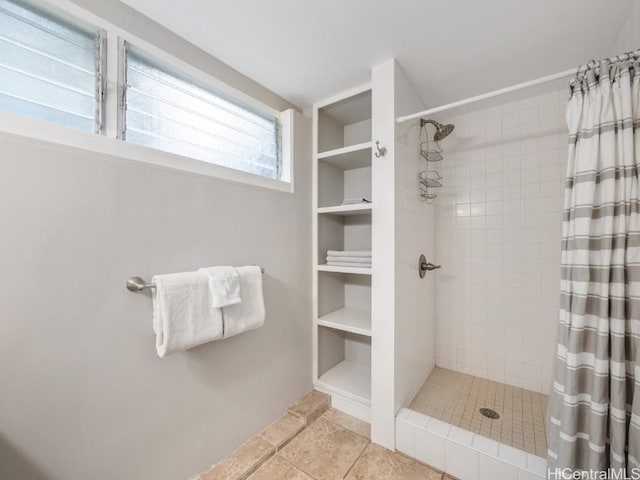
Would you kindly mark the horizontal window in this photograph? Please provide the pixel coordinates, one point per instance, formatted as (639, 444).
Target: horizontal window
(165, 110)
(49, 67)
(54, 73)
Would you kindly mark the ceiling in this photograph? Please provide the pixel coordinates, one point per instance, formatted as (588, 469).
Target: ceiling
(306, 50)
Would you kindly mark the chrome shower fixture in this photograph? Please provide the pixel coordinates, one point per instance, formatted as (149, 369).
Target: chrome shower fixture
(442, 131)
(429, 179)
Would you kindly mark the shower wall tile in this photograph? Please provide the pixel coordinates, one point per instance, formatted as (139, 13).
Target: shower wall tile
(415, 297)
(498, 234)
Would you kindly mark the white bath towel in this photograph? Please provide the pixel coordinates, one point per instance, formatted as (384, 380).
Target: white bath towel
(349, 264)
(349, 253)
(355, 201)
(224, 285)
(249, 313)
(182, 313)
(349, 259)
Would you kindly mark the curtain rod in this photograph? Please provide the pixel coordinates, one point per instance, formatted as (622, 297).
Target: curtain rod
(485, 96)
(518, 86)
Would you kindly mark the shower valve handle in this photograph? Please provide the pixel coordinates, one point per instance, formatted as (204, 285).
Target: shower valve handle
(424, 266)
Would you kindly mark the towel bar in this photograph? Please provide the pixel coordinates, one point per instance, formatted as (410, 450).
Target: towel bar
(137, 284)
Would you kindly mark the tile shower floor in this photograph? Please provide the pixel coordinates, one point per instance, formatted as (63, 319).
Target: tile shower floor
(456, 398)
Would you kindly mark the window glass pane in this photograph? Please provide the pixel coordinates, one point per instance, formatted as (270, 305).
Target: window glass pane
(47, 67)
(170, 113)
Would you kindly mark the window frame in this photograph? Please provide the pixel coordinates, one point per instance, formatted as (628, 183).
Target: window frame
(127, 48)
(111, 86)
(72, 21)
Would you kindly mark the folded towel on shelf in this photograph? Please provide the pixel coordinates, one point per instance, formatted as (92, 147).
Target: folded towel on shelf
(182, 314)
(224, 285)
(355, 201)
(249, 313)
(349, 264)
(349, 253)
(349, 259)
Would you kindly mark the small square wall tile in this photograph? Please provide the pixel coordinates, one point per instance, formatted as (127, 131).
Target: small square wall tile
(526, 475)
(438, 427)
(513, 456)
(429, 448)
(310, 407)
(403, 414)
(485, 445)
(418, 419)
(536, 464)
(490, 468)
(460, 461)
(405, 438)
(458, 435)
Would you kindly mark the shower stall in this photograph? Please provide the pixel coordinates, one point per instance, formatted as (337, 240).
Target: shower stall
(493, 216)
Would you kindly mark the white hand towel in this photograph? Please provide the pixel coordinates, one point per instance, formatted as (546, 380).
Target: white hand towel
(224, 284)
(349, 264)
(249, 313)
(349, 259)
(182, 313)
(349, 253)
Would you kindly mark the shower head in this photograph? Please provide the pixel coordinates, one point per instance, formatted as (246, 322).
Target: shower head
(442, 131)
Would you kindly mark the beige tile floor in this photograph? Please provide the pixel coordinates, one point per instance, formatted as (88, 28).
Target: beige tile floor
(314, 442)
(456, 398)
(335, 447)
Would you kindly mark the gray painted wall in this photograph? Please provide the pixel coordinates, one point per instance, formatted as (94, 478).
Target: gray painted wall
(82, 392)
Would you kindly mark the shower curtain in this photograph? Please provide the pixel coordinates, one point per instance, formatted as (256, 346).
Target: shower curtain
(594, 407)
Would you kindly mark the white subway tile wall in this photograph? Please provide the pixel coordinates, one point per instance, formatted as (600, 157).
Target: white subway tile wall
(415, 297)
(498, 227)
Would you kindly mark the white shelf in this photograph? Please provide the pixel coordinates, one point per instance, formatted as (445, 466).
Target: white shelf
(346, 210)
(348, 158)
(348, 320)
(350, 379)
(357, 270)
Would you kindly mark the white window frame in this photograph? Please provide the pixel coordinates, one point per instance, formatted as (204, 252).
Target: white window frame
(109, 144)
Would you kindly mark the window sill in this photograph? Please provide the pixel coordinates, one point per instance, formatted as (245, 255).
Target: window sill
(48, 132)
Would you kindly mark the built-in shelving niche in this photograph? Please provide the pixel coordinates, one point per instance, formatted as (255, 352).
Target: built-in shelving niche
(344, 302)
(344, 334)
(345, 123)
(343, 232)
(343, 162)
(338, 180)
(344, 363)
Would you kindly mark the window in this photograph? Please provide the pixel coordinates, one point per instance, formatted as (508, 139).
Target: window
(54, 75)
(49, 67)
(167, 111)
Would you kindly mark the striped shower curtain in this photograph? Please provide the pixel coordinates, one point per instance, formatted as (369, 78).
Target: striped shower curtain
(594, 408)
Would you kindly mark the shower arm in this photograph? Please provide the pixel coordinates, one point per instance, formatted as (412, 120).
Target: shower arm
(423, 122)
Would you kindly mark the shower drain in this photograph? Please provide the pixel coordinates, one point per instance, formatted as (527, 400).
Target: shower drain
(489, 413)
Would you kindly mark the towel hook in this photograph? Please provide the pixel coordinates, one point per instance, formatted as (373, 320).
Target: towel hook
(382, 151)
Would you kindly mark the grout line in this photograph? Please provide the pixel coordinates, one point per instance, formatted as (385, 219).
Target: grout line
(356, 460)
(415, 460)
(246, 475)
